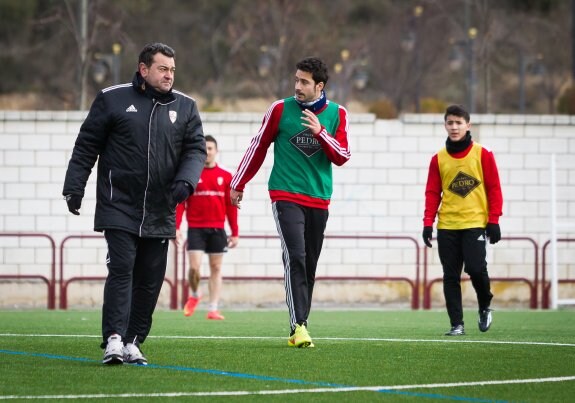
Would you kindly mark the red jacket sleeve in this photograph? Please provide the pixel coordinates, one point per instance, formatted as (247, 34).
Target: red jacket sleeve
(432, 193)
(492, 186)
(336, 147)
(258, 148)
(231, 214)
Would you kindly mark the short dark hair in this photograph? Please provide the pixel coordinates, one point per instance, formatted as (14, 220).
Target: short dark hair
(147, 54)
(457, 110)
(316, 67)
(211, 138)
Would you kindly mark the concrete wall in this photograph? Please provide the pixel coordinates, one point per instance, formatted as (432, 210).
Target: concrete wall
(378, 193)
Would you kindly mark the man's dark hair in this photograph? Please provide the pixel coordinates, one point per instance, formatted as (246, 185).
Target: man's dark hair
(211, 138)
(457, 110)
(316, 67)
(147, 54)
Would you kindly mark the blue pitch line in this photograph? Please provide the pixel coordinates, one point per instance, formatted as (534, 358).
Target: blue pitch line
(443, 397)
(178, 368)
(257, 377)
(51, 356)
(246, 376)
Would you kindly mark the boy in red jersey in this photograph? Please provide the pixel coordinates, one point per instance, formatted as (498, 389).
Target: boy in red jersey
(206, 211)
(463, 179)
(309, 135)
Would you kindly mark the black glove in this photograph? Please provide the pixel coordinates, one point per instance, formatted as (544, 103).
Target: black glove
(427, 236)
(180, 191)
(74, 203)
(493, 232)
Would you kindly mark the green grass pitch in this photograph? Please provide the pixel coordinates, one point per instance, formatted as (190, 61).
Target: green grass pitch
(360, 355)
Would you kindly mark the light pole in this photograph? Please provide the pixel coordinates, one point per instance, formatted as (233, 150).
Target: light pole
(471, 35)
(83, 39)
(265, 63)
(341, 69)
(349, 75)
(106, 64)
(573, 40)
(525, 65)
(456, 62)
(269, 62)
(521, 81)
(417, 11)
(411, 41)
(361, 75)
(116, 50)
(535, 68)
(338, 82)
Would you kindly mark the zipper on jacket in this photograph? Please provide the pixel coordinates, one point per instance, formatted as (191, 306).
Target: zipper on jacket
(111, 186)
(148, 160)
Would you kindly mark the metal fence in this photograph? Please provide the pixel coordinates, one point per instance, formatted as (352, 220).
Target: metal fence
(178, 284)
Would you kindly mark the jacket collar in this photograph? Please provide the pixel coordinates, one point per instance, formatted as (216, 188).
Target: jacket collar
(142, 87)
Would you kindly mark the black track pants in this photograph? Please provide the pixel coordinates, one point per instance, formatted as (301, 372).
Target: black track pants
(301, 231)
(456, 249)
(136, 270)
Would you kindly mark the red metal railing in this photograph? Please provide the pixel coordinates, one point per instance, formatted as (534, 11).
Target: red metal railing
(50, 282)
(427, 284)
(413, 284)
(174, 282)
(546, 285)
(65, 283)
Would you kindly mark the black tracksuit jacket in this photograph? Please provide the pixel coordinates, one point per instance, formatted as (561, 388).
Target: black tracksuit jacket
(144, 141)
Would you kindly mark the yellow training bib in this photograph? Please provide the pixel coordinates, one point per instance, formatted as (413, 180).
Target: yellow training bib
(463, 201)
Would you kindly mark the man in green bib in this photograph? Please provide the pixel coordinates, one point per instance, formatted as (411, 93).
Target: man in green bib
(309, 134)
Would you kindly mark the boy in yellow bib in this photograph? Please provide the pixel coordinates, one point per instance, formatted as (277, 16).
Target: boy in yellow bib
(464, 191)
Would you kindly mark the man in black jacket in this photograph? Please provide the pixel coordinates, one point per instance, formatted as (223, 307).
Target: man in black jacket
(149, 143)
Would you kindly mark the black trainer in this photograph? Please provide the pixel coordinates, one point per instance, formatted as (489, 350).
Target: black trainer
(456, 331)
(485, 319)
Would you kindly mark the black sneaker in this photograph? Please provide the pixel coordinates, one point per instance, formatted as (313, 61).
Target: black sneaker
(485, 319)
(456, 331)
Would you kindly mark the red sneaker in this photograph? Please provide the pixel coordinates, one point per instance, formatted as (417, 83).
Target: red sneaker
(190, 306)
(215, 315)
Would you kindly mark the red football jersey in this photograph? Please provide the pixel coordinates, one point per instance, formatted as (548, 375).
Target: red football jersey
(210, 203)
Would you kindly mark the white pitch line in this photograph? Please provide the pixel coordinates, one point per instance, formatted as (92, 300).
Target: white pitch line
(450, 340)
(291, 391)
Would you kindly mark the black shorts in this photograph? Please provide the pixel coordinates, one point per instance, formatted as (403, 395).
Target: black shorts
(209, 240)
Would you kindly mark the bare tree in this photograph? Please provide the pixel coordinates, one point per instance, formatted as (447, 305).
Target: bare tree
(236, 49)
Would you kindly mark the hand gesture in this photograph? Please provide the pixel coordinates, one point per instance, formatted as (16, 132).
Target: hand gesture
(233, 241)
(311, 121)
(493, 232)
(427, 236)
(236, 197)
(74, 203)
